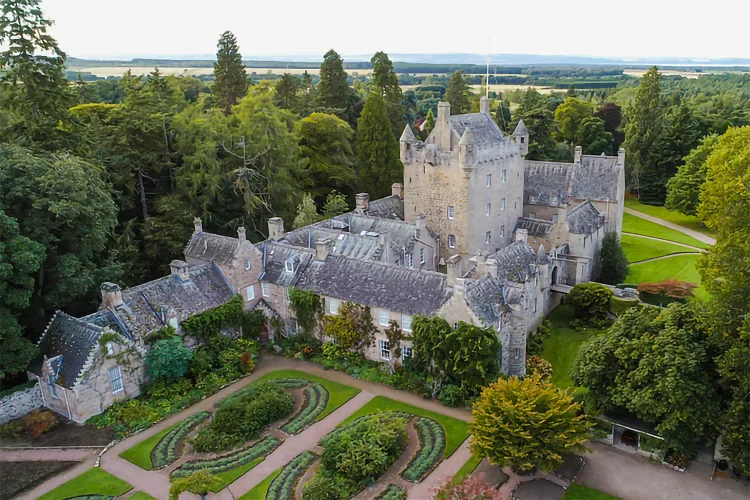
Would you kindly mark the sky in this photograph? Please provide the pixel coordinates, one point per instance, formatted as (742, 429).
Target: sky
(600, 28)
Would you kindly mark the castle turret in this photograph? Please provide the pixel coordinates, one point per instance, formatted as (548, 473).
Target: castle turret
(407, 143)
(467, 152)
(521, 137)
(484, 105)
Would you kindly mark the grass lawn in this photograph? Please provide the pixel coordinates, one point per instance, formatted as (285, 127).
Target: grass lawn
(687, 221)
(469, 467)
(456, 431)
(637, 249)
(562, 345)
(679, 267)
(261, 489)
(578, 492)
(633, 224)
(230, 476)
(139, 495)
(338, 394)
(94, 481)
(140, 454)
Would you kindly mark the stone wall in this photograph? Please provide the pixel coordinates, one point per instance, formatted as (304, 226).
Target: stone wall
(19, 404)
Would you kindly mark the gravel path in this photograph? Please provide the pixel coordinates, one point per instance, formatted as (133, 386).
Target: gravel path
(690, 232)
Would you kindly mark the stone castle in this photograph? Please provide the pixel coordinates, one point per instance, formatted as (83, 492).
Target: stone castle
(476, 233)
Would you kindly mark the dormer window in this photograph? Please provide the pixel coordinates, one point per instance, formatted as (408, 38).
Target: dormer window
(248, 266)
(289, 266)
(110, 349)
(555, 198)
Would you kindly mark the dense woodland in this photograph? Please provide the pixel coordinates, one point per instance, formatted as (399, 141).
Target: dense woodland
(100, 181)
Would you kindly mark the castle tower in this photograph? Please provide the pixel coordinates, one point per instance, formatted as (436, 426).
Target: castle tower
(407, 143)
(521, 137)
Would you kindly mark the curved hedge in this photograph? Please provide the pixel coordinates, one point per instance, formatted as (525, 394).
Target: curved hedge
(291, 383)
(230, 461)
(358, 420)
(430, 453)
(282, 488)
(169, 448)
(393, 492)
(316, 399)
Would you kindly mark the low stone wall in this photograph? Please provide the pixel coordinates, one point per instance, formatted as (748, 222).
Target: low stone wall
(19, 404)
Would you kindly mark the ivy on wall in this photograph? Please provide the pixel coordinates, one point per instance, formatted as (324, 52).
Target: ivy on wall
(307, 305)
(230, 315)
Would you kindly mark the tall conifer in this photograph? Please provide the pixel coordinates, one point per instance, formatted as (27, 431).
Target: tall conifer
(231, 79)
(377, 149)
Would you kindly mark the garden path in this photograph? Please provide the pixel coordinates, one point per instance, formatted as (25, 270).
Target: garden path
(690, 232)
(446, 469)
(691, 247)
(661, 257)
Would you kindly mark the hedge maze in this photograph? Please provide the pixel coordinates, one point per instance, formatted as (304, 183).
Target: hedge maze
(282, 488)
(316, 399)
(230, 461)
(430, 453)
(169, 448)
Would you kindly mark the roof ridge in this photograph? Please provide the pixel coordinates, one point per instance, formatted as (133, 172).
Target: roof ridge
(391, 265)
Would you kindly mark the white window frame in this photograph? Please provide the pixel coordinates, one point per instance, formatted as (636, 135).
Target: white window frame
(406, 352)
(451, 212)
(110, 349)
(535, 297)
(554, 218)
(116, 382)
(502, 203)
(502, 230)
(516, 353)
(264, 289)
(289, 266)
(385, 350)
(421, 255)
(333, 306)
(248, 265)
(488, 180)
(406, 320)
(503, 175)
(384, 314)
(410, 259)
(488, 209)
(250, 293)
(451, 241)
(487, 237)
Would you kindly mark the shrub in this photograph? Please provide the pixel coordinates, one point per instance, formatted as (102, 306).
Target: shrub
(231, 461)
(671, 288)
(618, 306)
(535, 341)
(474, 487)
(200, 483)
(536, 365)
(169, 448)
(39, 422)
(590, 302)
(393, 492)
(614, 265)
(282, 487)
(431, 447)
(11, 430)
(167, 360)
(316, 399)
(451, 396)
(321, 488)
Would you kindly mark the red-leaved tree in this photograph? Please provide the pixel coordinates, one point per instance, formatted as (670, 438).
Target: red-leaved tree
(474, 487)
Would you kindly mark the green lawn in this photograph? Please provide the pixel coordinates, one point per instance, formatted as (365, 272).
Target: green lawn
(578, 492)
(687, 221)
(94, 481)
(230, 476)
(456, 431)
(139, 495)
(679, 267)
(140, 454)
(562, 345)
(638, 249)
(261, 489)
(469, 467)
(633, 224)
(338, 394)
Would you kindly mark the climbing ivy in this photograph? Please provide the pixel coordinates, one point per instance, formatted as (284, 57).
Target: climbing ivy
(306, 306)
(232, 315)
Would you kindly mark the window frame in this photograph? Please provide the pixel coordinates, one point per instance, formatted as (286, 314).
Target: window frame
(451, 241)
(487, 237)
(250, 293)
(532, 215)
(488, 209)
(385, 348)
(293, 326)
(264, 289)
(117, 379)
(410, 259)
(404, 322)
(451, 212)
(503, 175)
(555, 218)
(421, 255)
(488, 180)
(502, 204)
(289, 266)
(381, 314)
(502, 230)
(407, 352)
(248, 265)
(334, 310)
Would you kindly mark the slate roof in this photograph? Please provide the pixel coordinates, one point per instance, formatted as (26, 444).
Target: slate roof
(67, 343)
(342, 243)
(384, 286)
(275, 257)
(485, 298)
(536, 227)
(390, 207)
(212, 248)
(514, 261)
(542, 180)
(486, 132)
(594, 178)
(521, 129)
(584, 219)
(106, 318)
(145, 306)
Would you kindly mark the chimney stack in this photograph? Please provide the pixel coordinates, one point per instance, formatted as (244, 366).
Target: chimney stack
(198, 224)
(490, 267)
(321, 249)
(420, 221)
(242, 234)
(454, 269)
(275, 228)
(522, 235)
(578, 153)
(111, 294)
(484, 105)
(363, 200)
(397, 189)
(442, 124)
(180, 268)
(621, 157)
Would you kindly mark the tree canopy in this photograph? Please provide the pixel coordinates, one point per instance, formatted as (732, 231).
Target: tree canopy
(231, 80)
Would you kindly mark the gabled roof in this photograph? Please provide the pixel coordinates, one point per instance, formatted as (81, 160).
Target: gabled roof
(275, 257)
(514, 261)
(544, 180)
(521, 129)
(390, 207)
(67, 343)
(484, 129)
(584, 219)
(342, 243)
(594, 178)
(212, 248)
(535, 227)
(485, 298)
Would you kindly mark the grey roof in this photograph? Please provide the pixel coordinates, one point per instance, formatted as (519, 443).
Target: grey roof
(541, 256)
(407, 135)
(105, 318)
(275, 257)
(486, 132)
(385, 286)
(398, 234)
(485, 298)
(212, 248)
(390, 207)
(521, 129)
(543, 180)
(343, 243)
(145, 306)
(514, 261)
(66, 343)
(536, 227)
(594, 178)
(584, 219)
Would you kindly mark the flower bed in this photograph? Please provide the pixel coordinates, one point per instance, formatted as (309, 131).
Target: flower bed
(282, 488)
(343, 428)
(393, 493)
(316, 399)
(432, 445)
(230, 461)
(286, 383)
(169, 447)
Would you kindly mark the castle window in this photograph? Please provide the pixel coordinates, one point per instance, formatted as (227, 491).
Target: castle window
(487, 237)
(502, 230)
(406, 322)
(489, 180)
(516, 353)
(333, 306)
(421, 255)
(522, 138)
(451, 212)
(264, 289)
(289, 266)
(110, 349)
(554, 217)
(488, 209)
(410, 259)
(534, 305)
(406, 352)
(385, 350)
(555, 198)
(455, 326)
(452, 240)
(502, 204)
(247, 265)
(503, 174)
(115, 379)
(250, 293)
(383, 318)
(532, 215)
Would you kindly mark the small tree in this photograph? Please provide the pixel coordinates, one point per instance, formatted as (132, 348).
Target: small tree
(352, 327)
(473, 487)
(590, 303)
(395, 336)
(614, 264)
(167, 360)
(527, 424)
(199, 482)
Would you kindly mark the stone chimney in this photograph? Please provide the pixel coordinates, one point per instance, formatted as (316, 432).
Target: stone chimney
(363, 201)
(480, 259)
(490, 267)
(484, 105)
(321, 249)
(621, 157)
(443, 126)
(198, 225)
(180, 268)
(275, 228)
(522, 235)
(242, 234)
(112, 294)
(397, 189)
(578, 152)
(453, 268)
(420, 221)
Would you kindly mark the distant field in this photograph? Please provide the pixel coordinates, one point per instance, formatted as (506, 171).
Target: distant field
(107, 71)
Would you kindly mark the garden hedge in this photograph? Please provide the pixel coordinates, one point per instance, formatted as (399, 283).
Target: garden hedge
(316, 399)
(169, 448)
(282, 488)
(393, 493)
(230, 461)
(431, 449)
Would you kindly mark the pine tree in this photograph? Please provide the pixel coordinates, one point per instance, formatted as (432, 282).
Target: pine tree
(231, 79)
(502, 117)
(644, 125)
(333, 89)
(286, 92)
(429, 122)
(457, 93)
(386, 81)
(614, 264)
(377, 149)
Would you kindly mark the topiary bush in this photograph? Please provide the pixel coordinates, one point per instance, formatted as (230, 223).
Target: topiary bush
(316, 400)
(168, 360)
(231, 461)
(169, 448)
(431, 448)
(590, 303)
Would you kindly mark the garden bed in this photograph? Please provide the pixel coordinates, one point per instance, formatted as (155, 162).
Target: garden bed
(316, 399)
(93, 482)
(393, 492)
(140, 454)
(67, 433)
(18, 477)
(169, 448)
(282, 487)
(431, 447)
